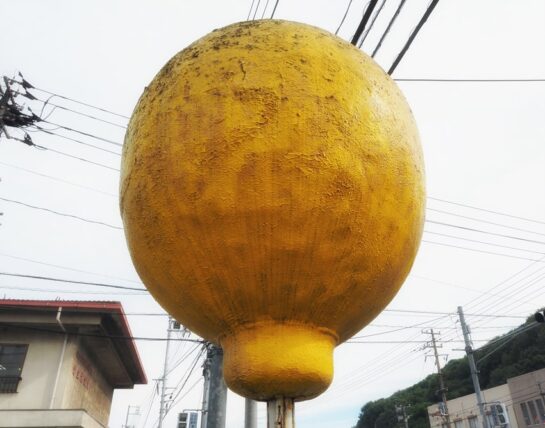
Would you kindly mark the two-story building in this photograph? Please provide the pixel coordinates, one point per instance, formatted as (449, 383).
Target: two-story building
(60, 362)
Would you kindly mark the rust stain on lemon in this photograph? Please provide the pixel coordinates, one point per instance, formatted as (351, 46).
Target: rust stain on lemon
(272, 193)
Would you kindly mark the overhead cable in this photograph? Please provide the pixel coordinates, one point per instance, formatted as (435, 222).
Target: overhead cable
(274, 8)
(485, 210)
(60, 180)
(105, 336)
(70, 99)
(403, 51)
(482, 242)
(470, 80)
(479, 251)
(389, 26)
(73, 281)
(372, 23)
(363, 22)
(344, 17)
(47, 131)
(61, 213)
(485, 221)
(484, 231)
(67, 268)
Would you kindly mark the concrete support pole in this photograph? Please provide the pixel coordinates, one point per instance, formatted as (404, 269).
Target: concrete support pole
(217, 395)
(205, 392)
(472, 366)
(281, 413)
(442, 387)
(162, 401)
(250, 413)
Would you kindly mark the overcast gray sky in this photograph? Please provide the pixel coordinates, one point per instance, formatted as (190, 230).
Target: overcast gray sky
(483, 145)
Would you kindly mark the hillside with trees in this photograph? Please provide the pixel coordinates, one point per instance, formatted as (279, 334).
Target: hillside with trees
(512, 354)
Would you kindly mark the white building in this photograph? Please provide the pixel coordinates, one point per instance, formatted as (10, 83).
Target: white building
(519, 403)
(60, 362)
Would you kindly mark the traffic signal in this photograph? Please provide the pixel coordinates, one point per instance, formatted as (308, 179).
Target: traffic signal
(540, 316)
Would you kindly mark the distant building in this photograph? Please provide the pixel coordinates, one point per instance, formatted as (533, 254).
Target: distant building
(60, 362)
(519, 403)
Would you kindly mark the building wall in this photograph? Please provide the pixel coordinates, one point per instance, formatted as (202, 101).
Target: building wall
(80, 384)
(465, 407)
(39, 369)
(530, 390)
(85, 387)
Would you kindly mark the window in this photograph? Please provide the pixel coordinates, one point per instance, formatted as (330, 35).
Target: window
(532, 407)
(182, 420)
(540, 410)
(491, 421)
(458, 424)
(472, 420)
(525, 413)
(12, 358)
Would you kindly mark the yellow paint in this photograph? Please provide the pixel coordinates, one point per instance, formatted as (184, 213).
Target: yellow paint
(272, 193)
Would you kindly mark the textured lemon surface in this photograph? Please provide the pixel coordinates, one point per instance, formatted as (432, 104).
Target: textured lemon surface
(272, 193)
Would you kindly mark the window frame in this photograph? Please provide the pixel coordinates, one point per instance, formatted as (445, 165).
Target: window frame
(9, 384)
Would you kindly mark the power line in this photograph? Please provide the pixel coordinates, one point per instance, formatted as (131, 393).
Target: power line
(250, 11)
(72, 281)
(67, 268)
(482, 242)
(265, 9)
(485, 221)
(380, 342)
(188, 375)
(344, 17)
(473, 302)
(470, 80)
(77, 157)
(484, 231)
(256, 8)
(61, 214)
(392, 20)
(46, 102)
(479, 251)
(363, 21)
(47, 131)
(67, 128)
(105, 336)
(79, 292)
(38, 146)
(424, 18)
(68, 99)
(372, 23)
(60, 180)
(484, 209)
(274, 8)
(450, 313)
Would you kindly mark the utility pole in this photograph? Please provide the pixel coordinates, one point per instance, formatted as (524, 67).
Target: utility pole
(472, 366)
(205, 392)
(162, 404)
(217, 392)
(214, 397)
(442, 388)
(137, 412)
(250, 413)
(401, 412)
(280, 413)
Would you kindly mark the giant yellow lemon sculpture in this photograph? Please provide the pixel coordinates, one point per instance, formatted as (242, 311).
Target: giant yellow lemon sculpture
(272, 193)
